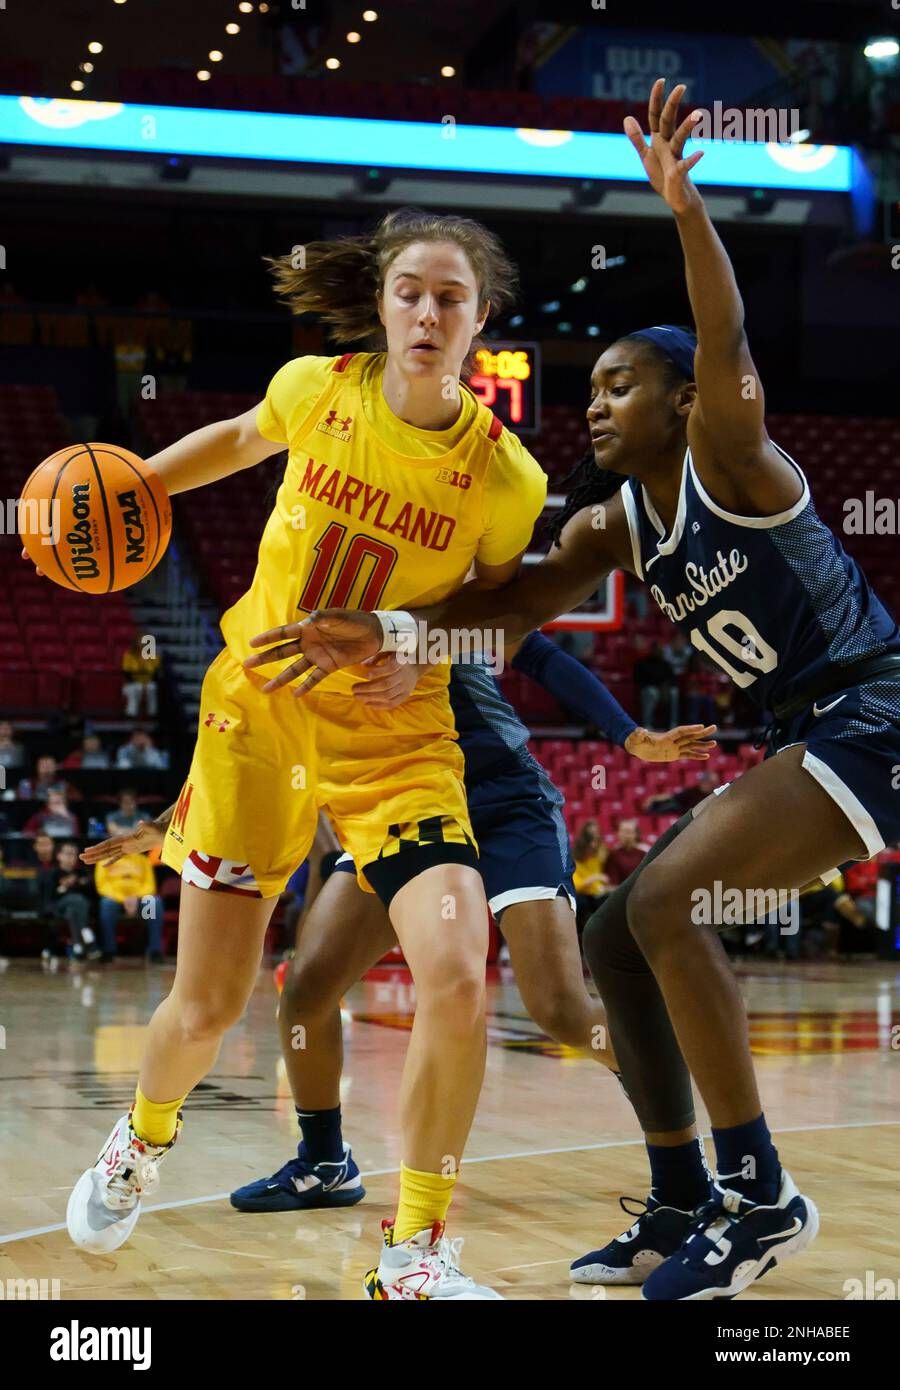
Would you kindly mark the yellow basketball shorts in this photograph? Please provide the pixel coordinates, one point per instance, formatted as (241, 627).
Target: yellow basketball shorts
(264, 765)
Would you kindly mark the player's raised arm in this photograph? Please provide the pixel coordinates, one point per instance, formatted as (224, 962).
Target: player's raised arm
(213, 452)
(726, 429)
(333, 638)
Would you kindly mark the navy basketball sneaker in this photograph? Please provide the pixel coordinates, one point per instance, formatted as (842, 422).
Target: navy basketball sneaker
(658, 1232)
(301, 1185)
(734, 1241)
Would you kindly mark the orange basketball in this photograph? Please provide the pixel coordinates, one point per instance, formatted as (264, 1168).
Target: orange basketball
(95, 517)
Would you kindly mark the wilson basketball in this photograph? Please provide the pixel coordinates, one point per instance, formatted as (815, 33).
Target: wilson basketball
(95, 517)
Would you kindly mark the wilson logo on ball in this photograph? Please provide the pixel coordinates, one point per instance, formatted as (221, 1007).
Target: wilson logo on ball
(114, 518)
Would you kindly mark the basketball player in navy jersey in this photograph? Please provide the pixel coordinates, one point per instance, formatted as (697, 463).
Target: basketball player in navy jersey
(719, 523)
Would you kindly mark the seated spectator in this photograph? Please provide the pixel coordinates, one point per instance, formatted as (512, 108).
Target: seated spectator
(140, 752)
(45, 781)
(126, 815)
(676, 803)
(589, 854)
(140, 673)
(701, 685)
(128, 886)
(626, 853)
(68, 895)
(43, 852)
(678, 652)
(55, 819)
(654, 679)
(12, 754)
(90, 754)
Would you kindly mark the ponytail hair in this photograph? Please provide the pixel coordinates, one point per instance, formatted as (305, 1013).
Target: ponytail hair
(341, 280)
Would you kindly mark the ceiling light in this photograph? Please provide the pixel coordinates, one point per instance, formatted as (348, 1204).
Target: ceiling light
(232, 28)
(77, 86)
(447, 71)
(86, 67)
(245, 7)
(203, 75)
(370, 16)
(882, 48)
(332, 63)
(95, 47)
(216, 55)
(353, 37)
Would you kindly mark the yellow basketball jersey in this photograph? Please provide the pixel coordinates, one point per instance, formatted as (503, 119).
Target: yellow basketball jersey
(358, 524)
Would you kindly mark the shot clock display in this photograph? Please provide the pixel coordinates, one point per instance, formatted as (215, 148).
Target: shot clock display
(507, 378)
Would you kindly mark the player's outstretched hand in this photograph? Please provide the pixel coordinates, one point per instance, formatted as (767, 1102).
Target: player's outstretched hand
(687, 741)
(146, 835)
(327, 640)
(662, 158)
(26, 556)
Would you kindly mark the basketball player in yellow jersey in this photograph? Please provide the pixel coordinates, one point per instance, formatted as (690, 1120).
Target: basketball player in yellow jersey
(397, 481)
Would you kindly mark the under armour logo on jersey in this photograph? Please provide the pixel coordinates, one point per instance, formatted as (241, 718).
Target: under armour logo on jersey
(212, 719)
(696, 527)
(336, 427)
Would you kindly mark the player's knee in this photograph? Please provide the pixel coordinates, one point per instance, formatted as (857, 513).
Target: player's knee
(308, 992)
(457, 999)
(205, 1019)
(563, 1013)
(600, 931)
(651, 920)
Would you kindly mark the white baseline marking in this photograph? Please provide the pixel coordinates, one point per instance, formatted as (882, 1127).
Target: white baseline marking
(485, 1158)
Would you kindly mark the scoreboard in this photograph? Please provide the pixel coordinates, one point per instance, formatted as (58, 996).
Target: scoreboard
(507, 378)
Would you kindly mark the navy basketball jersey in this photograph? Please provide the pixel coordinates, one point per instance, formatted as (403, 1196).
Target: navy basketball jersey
(774, 601)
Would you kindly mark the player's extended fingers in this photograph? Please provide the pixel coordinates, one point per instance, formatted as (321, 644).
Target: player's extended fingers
(280, 653)
(669, 115)
(655, 104)
(315, 675)
(26, 556)
(686, 165)
(276, 634)
(633, 130)
(290, 673)
(683, 133)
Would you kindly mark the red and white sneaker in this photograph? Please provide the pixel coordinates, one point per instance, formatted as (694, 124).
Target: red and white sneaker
(422, 1267)
(106, 1200)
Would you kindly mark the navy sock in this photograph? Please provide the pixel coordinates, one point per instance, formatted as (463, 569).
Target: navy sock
(747, 1161)
(322, 1138)
(678, 1174)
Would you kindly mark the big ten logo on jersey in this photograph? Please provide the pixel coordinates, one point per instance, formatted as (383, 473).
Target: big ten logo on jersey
(338, 427)
(455, 479)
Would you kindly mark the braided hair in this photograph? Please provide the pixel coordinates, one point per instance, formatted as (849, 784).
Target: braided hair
(587, 484)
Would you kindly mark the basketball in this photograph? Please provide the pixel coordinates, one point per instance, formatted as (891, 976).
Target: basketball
(95, 517)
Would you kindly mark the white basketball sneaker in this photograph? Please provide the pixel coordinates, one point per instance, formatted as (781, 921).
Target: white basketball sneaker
(422, 1267)
(106, 1200)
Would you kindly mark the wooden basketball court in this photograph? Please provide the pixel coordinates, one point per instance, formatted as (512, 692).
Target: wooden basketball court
(553, 1148)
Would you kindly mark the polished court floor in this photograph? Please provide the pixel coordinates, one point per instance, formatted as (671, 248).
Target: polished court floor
(553, 1148)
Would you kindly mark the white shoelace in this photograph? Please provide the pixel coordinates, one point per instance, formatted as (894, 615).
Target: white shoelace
(143, 1175)
(448, 1252)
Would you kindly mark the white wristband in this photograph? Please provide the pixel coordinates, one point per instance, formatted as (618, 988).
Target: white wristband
(400, 631)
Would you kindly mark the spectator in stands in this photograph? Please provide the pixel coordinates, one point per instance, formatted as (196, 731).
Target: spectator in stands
(626, 854)
(45, 781)
(55, 819)
(678, 652)
(126, 815)
(12, 754)
(655, 681)
(128, 886)
(90, 754)
(140, 672)
(700, 688)
(69, 897)
(589, 853)
(43, 852)
(90, 297)
(140, 752)
(677, 802)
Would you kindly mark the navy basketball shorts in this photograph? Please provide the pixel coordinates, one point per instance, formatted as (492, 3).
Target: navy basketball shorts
(852, 742)
(523, 844)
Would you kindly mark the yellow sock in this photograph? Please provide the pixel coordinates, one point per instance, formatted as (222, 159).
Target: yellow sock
(424, 1198)
(152, 1122)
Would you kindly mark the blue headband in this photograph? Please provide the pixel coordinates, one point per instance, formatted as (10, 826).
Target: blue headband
(677, 345)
